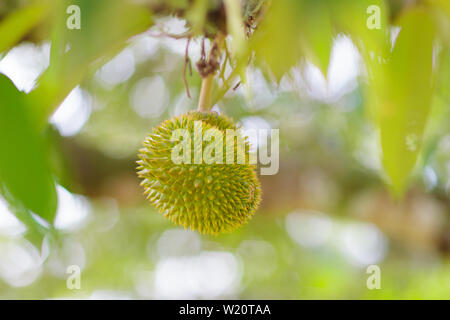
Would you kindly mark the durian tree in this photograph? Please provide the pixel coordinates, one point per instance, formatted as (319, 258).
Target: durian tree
(404, 72)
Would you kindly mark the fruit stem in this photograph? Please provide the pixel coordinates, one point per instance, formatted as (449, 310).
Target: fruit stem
(212, 65)
(204, 103)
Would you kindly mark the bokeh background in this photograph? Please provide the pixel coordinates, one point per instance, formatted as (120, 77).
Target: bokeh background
(325, 217)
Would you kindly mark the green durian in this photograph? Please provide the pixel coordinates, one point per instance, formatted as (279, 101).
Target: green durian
(211, 198)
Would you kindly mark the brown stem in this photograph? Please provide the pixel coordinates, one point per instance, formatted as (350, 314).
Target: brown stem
(187, 62)
(207, 70)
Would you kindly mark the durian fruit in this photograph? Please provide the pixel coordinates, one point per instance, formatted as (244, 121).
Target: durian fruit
(211, 198)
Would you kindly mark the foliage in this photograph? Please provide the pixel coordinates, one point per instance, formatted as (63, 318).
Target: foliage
(404, 92)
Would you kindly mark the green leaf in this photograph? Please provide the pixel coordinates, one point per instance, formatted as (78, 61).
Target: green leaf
(444, 75)
(291, 30)
(317, 33)
(15, 26)
(235, 26)
(442, 18)
(24, 169)
(351, 17)
(402, 94)
(106, 25)
(36, 231)
(276, 42)
(196, 16)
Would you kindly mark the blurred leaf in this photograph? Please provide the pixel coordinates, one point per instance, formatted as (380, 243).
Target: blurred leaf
(403, 92)
(374, 44)
(178, 4)
(20, 22)
(317, 33)
(442, 17)
(202, 17)
(351, 17)
(235, 26)
(196, 16)
(253, 7)
(293, 29)
(106, 26)
(444, 74)
(276, 42)
(24, 170)
(35, 230)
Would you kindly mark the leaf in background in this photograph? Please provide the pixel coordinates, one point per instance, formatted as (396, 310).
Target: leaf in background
(293, 29)
(444, 75)
(442, 18)
(15, 26)
(402, 97)
(196, 16)
(253, 7)
(351, 17)
(235, 28)
(317, 33)
(24, 169)
(106, 25)
(36, 230)
(276, 42)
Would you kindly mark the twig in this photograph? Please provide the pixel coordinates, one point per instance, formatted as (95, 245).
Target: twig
(187, 62)
(224, 66)
(186, 35)
(207, 70)
(226, 86)
(203, 53)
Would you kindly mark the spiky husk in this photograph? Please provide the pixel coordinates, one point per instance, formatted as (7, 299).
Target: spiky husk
(210, 198)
